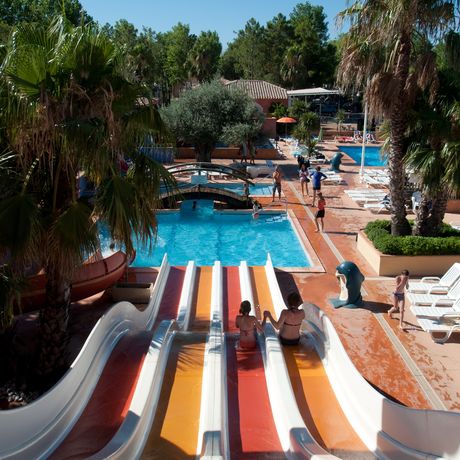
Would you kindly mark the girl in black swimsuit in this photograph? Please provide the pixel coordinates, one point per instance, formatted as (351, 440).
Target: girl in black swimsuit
(289, 321)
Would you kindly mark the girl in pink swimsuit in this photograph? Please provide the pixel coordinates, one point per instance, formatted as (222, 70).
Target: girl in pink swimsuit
(247, 325)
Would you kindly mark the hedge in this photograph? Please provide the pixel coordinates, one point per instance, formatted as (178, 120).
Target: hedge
(447, 243)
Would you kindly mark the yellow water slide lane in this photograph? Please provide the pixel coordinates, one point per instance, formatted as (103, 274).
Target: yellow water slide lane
(318, 404)
(201, 307)
(174, 433)
(261, 291)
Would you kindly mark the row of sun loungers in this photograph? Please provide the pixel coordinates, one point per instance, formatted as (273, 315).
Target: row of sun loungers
(436, 304)
(375, 200)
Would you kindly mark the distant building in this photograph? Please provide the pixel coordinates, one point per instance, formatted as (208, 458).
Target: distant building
(265, 94)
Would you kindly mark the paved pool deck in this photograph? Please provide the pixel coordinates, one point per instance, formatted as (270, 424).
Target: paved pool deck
(408, 366)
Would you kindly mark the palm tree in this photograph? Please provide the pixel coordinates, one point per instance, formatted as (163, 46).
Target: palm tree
(308, 122)
(71, 108)
(434, 152)
(378, 54)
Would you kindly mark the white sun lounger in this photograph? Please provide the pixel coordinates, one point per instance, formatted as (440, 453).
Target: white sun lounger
(446, 325)
(368, 198)
(380, 206)
(435, 285)
(439, 299)
(435, 311)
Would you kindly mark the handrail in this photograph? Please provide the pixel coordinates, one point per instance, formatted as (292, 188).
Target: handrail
(212, 167)
(271, 205)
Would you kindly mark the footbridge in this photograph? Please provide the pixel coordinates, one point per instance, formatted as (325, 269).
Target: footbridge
(206, 192)
(199, 187)
(209, 169)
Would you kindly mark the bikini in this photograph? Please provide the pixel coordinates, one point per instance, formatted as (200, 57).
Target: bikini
(290, 341)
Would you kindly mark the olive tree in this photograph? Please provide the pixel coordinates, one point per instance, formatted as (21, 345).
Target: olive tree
(210, 113)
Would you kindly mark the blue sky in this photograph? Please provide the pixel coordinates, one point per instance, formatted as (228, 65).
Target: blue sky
(225, 17)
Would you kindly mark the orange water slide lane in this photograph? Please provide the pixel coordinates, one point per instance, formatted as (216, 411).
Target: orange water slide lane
(252, 430)
(174, 433)
(112, 396)
(261, 291)
(318, 404)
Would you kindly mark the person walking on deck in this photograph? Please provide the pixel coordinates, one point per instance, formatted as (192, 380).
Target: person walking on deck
(399, 301)
(321, 212)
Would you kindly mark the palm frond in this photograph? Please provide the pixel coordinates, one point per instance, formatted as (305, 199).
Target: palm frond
(20, 228)
(73, 236)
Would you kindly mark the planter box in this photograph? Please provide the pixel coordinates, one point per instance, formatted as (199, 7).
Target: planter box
(132, 292)
(386, 265)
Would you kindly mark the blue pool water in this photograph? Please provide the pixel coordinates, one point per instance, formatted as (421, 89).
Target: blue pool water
(205, 235)
(372, 155)
(256, 189)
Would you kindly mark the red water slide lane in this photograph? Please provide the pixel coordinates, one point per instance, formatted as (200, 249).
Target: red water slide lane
(112, 396)
(252, 430)
(231, 297)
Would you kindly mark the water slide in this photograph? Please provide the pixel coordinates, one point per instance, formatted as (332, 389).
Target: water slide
(190, 393)
(314, 396)
(252, 430)
(90, 278)
(343, 412)
(109, 403)
(174, 432)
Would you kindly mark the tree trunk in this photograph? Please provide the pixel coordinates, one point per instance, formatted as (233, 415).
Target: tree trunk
(438, 211)
(203, 152)
(53, 326)
(422, 219)
(399, 223)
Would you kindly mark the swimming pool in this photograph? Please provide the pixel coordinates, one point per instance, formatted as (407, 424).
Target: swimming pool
(372, 155)
(205, 235)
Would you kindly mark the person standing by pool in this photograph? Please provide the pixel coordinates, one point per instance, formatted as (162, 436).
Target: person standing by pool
(304, 180)
(247, 324)
(317, 177)
(276, 183)
(321, 212)
(289, 321)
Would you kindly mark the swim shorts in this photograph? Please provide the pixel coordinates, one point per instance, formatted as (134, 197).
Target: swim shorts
(320, 213)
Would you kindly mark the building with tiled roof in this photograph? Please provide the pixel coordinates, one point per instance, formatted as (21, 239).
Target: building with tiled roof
(264, 94)
(259, 89)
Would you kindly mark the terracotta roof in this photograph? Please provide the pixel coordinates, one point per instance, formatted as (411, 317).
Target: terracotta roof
(259, 89)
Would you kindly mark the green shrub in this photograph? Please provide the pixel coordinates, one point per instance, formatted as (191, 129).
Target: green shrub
(447, 243)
